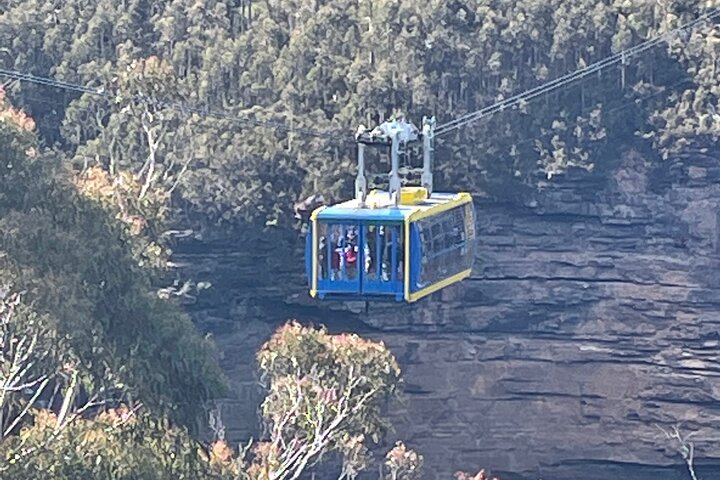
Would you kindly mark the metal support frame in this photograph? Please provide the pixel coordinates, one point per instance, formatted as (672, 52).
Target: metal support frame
(392, 134)
(360, 180)
(428, 136)
(394, 177)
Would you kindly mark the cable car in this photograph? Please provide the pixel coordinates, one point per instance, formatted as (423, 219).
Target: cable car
(396, 245)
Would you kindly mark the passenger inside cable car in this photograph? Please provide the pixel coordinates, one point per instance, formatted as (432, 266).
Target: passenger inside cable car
(377, 249)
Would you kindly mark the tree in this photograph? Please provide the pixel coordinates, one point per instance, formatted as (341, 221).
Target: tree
(71, 258)
(37, 371)
(27, 363)
(481, 475)
(115, 444)
(331, 65)
(81, 332)
(402, 463)
(144, 216)
(325, 396)
(139, 129)
(690, 124)
(682, 444)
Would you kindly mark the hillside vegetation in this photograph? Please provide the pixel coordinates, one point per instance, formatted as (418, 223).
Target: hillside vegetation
(330, 65)
(216, 114)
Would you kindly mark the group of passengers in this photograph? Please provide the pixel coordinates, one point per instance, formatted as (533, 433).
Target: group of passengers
(345, 253)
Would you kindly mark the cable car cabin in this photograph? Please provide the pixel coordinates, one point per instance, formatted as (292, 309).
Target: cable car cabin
(386, 252)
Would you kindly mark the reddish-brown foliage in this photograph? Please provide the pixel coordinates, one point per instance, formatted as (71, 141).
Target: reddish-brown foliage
(14, 116)
(481, 475)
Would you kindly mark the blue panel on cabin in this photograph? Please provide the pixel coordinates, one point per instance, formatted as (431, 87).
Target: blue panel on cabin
(416, 257)
(364, 259)
(337, 213)
(344, 297)
(361, 258)
(308, 257)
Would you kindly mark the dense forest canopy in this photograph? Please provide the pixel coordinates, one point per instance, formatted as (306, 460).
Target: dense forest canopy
(330, 65)
(83, 294)
(92, 181)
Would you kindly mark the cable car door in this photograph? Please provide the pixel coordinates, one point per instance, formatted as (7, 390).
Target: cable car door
(383, 254)
(339, 257)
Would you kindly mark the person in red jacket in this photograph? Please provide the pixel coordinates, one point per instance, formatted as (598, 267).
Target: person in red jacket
(351, 253)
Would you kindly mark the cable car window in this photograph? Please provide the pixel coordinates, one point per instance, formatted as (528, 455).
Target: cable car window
(446, 241)
(323, 254)
(437, 236)
(374, 237)
(351, 252)
(393, 253)
(340, 254)
(383, 252)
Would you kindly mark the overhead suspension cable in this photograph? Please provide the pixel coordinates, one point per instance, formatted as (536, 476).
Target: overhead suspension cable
(178, 107)
(547, 87)
(50, 82)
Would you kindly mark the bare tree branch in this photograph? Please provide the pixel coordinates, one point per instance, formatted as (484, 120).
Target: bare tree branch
(685, 447)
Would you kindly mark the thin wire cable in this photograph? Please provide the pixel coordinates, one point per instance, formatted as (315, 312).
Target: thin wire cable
(178, 107)
(568, 78)
(625, 106)
(50, 82)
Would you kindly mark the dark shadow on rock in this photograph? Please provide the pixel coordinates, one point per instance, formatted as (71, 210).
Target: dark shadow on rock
(591, 319)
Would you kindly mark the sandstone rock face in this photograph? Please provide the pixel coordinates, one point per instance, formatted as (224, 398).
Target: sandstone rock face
(591, 324)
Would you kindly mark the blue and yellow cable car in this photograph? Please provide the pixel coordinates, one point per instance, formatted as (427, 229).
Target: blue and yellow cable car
(398, 245)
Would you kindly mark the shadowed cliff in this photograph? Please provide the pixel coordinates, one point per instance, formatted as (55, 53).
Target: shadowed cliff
(591, 322)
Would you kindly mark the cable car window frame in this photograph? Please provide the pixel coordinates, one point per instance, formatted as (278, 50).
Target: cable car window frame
(447, 245)
(392, 245)
(332, 243)
(329, 278)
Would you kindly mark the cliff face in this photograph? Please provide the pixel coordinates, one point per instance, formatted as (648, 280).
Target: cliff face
(592, 322)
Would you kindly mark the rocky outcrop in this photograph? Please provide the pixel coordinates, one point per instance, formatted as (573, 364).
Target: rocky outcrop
(590, 325)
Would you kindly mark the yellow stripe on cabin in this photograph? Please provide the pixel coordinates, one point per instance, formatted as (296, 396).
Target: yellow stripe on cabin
(315, 254)
(439, 285)
(406, 280)
(463, 198)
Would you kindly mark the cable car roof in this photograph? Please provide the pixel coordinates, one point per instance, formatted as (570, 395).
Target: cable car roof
(380, 208)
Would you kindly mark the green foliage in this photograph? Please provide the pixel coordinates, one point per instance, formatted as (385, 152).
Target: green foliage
(690, 124)
(240, 175)
(73, 262)
(402, 463)
(330, 65)
(144, 214)
(114, 445)
(31, 357)
(325, 396)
